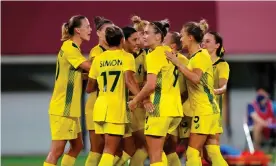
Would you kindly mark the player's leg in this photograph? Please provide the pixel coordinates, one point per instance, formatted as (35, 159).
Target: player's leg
(113, 135)
(138, 123)
(96, 148)
(129, 149)
(141, 153)
(212, 144)
(61, 131)
(96, 140)
(76, 145)
(155, 138)
(184, 132)
(170, 150)
(56, 151)
(119, 153)
(172, 141)
(200, 129)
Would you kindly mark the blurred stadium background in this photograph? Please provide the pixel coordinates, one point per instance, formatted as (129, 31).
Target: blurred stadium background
(30, 35)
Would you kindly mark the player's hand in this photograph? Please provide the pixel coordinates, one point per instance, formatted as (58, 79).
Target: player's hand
(132, 105)
(149, 107)
(216, 91)
(172, 57)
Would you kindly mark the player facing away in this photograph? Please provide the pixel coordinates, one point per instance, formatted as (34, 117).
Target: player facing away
(163, 87)
(213, 42)
(172, 40)
(200, 83)
(96, 141)
(131, 46)
(65, 104)
(113, 72)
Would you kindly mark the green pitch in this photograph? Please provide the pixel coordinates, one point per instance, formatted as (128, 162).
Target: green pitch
(33, 161)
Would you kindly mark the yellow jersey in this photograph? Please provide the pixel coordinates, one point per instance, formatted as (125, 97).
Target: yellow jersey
(108, 69)
(182, 81)
(166, 97)
(221, 70)
(66, 98)
(201, 96)
(95, 51)
(140, 59)
(183, 86)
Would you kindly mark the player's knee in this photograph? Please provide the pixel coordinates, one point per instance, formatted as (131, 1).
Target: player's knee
(56, 152)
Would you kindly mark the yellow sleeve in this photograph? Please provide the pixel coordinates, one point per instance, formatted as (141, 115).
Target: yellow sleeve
(183, 59)
(153, 64)
(74, 56)
(129, 63)
(224, 70)
(200, 62)
(95, 51)
(93, 73)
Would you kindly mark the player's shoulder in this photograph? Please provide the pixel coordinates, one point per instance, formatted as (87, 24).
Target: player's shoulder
(221, 63)
(97, 50)
(127, 55)
(69, 45)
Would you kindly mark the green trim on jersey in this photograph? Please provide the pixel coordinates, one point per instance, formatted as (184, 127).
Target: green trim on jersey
(204, 81)
(157, 96)
(69, 91)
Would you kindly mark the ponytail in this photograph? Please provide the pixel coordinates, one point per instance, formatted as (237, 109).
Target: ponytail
(65, 32)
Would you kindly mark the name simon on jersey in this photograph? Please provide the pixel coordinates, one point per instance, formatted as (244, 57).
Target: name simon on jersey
(114, 62)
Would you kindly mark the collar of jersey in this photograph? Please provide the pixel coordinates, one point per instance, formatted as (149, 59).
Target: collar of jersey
(196, 53)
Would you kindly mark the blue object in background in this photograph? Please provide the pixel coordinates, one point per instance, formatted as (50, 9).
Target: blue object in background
(229, 150)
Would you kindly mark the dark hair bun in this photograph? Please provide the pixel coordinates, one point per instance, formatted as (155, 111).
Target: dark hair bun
(100, 21)
(163, 26)
(113, 36)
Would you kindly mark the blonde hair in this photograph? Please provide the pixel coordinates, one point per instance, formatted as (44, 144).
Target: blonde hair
(67, 29)
(138, 23)
(197, 29)
(203, 25)
(65, 32)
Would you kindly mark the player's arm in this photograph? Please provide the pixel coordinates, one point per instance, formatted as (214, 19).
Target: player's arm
(193, 75)
(153, 69)
(76, 59)
(129, 73)
(92, 80)
(223, 79)
(148, 88)
(91, 86)
(131, 82)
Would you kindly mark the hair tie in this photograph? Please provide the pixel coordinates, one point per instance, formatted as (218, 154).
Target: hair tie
(222, 50)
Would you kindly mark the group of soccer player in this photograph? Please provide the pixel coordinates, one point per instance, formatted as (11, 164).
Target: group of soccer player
(144, 95)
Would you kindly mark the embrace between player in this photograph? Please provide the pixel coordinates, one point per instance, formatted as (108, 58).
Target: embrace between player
(138, 81)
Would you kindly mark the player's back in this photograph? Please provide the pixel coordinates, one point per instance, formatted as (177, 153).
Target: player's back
(166, 96)
(112, 98)
(68, 85)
